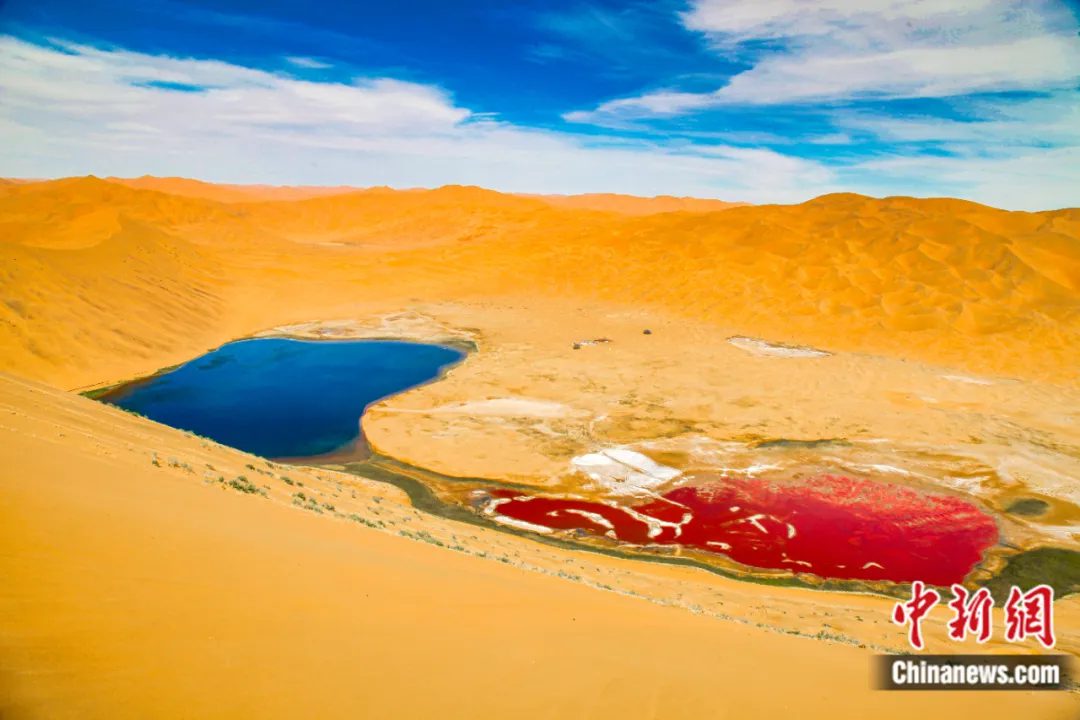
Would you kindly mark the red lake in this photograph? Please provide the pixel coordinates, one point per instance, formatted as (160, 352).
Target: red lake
(832, 526)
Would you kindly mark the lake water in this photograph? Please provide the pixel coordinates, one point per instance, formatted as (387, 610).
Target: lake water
(279, 397)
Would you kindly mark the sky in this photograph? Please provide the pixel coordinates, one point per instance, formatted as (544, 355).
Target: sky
(759, 101)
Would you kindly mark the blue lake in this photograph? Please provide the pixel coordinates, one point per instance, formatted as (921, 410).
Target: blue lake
(281, 398)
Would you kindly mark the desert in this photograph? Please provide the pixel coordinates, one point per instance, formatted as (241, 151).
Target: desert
(183, 551)
(600, 359)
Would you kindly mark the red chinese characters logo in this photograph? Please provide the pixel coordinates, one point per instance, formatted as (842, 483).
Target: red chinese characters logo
(971, 611)
(1027, 614)
(922, 601)
(1030, 614)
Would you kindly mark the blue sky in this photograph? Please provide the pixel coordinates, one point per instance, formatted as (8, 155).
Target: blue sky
(764, 101)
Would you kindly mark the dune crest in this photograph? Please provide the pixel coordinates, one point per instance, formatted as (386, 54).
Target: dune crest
(632, 205)
(228, 192)
(943, 281)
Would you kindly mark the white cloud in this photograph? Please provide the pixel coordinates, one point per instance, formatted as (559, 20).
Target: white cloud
(1038, 63)
(790, 18)
(73, 109)
(655, 104)
(1053, 121)
(1034, 179)
(81, 84)
(1023, 156)
(1014, 152)
(308, 63)
(823, 50)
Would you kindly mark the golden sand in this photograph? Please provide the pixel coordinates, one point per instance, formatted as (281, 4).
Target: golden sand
(942, 281)
(140, 589)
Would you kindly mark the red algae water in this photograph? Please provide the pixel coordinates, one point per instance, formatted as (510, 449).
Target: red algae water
(830, 525)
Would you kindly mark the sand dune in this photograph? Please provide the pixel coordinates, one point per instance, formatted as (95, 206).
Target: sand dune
(630, 205)
(608, 202)
(132, 553)
(942, 281)
(227, 193)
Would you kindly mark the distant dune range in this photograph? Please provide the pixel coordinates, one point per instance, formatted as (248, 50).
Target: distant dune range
(96, 270)
(148, 572)
(228, 193)
(623, 204)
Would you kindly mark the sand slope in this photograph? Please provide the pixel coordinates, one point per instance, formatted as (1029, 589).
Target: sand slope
(133, 590)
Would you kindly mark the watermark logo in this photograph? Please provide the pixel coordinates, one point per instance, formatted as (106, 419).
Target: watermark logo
(1030, 614)
(971, 612)
(972, 672)
(912, 612)
(1027, 614)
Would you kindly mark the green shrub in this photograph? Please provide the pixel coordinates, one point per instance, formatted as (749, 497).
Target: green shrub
(242, 484)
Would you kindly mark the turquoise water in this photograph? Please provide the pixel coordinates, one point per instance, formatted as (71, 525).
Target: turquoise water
(278, 397)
